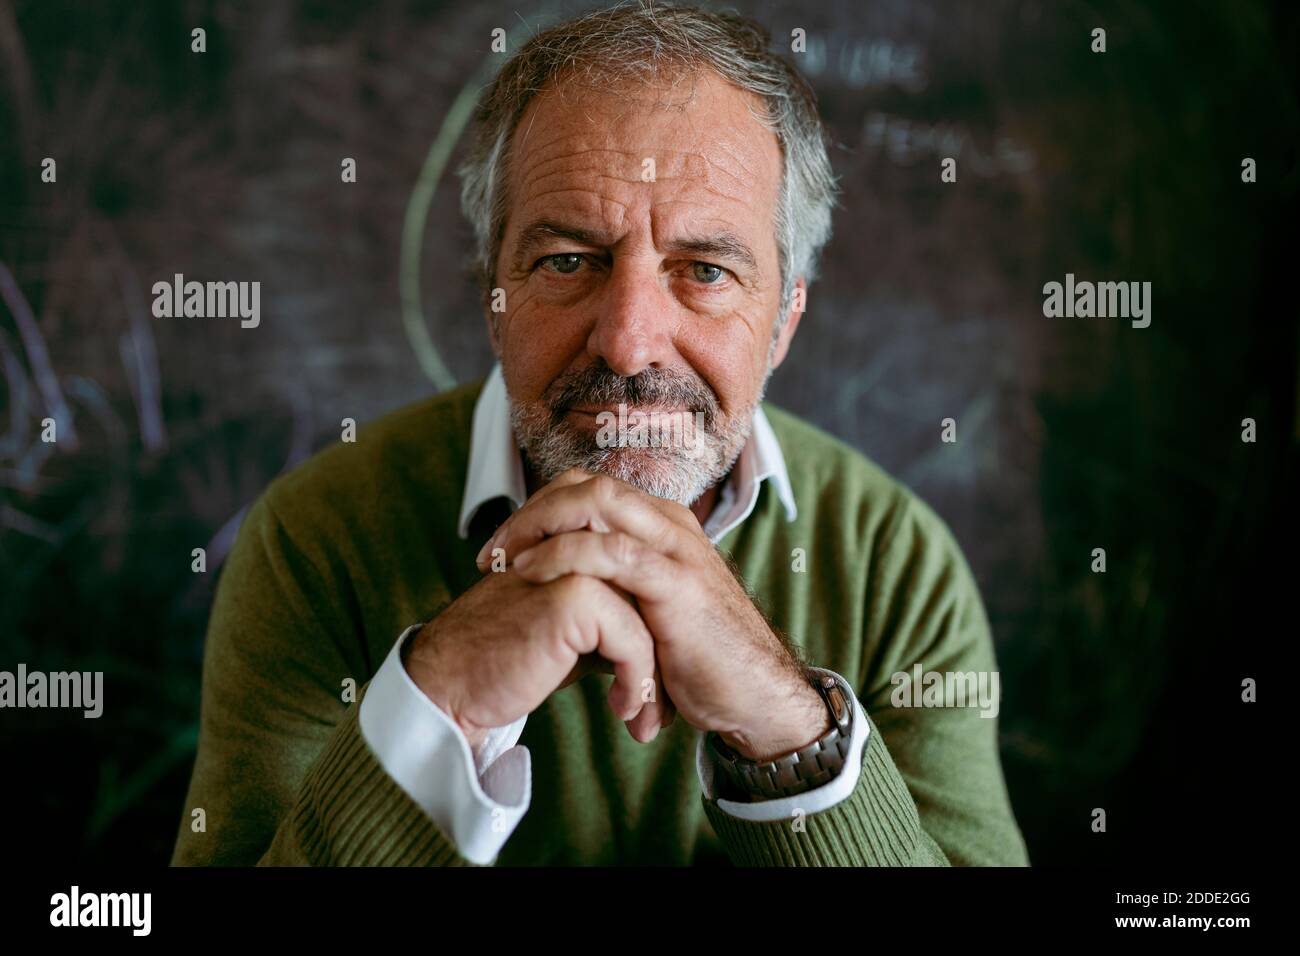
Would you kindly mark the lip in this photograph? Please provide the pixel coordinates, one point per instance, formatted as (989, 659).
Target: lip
(638, 410)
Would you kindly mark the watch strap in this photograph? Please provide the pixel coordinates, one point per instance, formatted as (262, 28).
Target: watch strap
(803, 769)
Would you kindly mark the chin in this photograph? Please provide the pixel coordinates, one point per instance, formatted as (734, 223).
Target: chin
(664, 475)
(672, 473)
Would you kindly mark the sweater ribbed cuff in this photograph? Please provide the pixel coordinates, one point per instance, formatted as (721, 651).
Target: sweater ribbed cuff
(350, 812)
(876, 825)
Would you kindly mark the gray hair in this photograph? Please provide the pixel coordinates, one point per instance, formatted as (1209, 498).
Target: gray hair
(643, 42)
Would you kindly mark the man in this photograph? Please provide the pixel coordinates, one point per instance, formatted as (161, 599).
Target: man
(550, 625)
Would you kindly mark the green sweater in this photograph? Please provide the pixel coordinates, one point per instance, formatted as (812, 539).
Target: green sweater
(342, 554)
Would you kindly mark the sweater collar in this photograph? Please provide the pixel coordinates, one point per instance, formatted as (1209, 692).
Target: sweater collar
(496, 469)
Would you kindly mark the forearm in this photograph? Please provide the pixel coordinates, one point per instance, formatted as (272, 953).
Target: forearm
(346, 811)
(876, 824)
(350, 812)
(874, 812)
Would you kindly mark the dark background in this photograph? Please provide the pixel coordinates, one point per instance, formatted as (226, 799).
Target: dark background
(1121, 690)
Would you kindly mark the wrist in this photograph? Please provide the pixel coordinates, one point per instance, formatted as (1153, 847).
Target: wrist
(804, 720)
(425, 677)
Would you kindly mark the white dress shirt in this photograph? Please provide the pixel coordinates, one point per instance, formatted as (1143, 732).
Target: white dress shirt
(478, 799)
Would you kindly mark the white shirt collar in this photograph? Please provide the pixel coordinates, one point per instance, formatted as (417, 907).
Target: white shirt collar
(496, 468)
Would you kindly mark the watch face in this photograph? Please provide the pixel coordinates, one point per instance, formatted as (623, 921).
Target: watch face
(841, 710)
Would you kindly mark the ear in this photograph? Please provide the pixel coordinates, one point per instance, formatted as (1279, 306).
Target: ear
(798, 304)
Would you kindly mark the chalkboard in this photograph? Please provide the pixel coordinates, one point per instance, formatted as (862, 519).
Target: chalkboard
(1072, 434)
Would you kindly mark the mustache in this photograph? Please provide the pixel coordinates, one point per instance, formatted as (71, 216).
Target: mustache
(600, 385)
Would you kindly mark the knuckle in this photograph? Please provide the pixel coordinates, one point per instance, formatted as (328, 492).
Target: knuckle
(604, 487)
(679, 510)
(623, 548)
(574, 589)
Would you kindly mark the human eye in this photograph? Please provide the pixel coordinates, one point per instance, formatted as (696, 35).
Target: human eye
(565, 263)
(708, 273)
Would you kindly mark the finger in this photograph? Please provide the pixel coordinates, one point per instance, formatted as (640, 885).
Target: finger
(669, 711)
(624, 641)
(655, 715)
(587, 664)
(602, 504)
(645, 726)
(616, 558)
(649, 718)
(657, 711)
(574, 476)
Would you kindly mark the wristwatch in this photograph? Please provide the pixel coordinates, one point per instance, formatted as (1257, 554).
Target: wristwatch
(804, 769)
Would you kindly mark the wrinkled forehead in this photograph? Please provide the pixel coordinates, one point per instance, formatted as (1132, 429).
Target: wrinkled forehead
(691, 130)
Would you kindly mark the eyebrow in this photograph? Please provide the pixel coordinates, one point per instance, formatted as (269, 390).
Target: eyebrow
(539, 231)
(725, 246)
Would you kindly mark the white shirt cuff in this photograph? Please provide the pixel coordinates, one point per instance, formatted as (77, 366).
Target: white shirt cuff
(810, 801)
(476, 799)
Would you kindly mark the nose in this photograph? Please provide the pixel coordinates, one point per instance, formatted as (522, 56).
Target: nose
(634, 330)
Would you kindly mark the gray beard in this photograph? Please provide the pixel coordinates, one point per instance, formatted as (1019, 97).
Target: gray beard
(676, 473)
